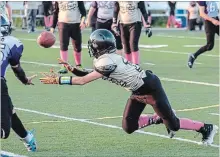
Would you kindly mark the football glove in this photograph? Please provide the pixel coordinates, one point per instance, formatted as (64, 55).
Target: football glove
(50, 78)
(76, 71)
(148, 31)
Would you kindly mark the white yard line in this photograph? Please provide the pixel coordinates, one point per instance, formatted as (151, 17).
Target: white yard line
(142, 47)
(182, 37)
(175, 52)
(215, 114)
(110, 126)
(162, 78)
(149, 63)
(9, 154)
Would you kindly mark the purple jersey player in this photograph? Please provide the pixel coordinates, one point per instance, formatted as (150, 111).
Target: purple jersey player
(11, 51)
(209, 12)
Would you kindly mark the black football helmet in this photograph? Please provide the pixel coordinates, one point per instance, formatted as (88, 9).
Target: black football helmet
(5, 25)
(101, 41)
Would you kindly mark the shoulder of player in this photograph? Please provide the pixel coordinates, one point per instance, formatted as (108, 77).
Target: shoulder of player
(106, 59)
(11, 41)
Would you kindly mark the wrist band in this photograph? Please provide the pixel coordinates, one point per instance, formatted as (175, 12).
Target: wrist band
(65, 80)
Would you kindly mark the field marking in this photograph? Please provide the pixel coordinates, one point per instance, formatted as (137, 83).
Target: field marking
(181, 110)
(215, 114)
(192, 45)
(175, 52)
(110, 126)
(49, 121)
(182, 37)
(9, 154)
(198, 108)
(162, 78)
(143, 47)
(149, 63)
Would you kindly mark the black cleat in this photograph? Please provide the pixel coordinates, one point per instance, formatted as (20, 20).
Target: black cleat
(208, 132)
(191, 60)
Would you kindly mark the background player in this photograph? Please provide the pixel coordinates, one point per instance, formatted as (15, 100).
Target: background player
(105, 10)
(70, 16)
(146, 87)
(130, 26)
(209, 12)
(11, 51)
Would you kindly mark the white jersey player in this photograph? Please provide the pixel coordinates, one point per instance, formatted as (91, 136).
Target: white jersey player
(145, 87)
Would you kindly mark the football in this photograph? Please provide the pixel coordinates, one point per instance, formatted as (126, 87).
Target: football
(46, 39)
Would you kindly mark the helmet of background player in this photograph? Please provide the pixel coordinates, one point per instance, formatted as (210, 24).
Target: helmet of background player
(5, 25)
(193, 3)
(101, 41)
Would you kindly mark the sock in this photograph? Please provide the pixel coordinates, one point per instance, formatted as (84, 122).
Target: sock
(64, 55)
(17, 126)
(50, 21)
(146, 120)
(28, 138)
(77, 57)
(135, 57)
(128, 57)
(188, 124)
(168, 21)
(149, 19)
(46, 21)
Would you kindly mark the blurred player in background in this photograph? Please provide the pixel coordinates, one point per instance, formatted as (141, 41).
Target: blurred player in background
(209, 12)
(130, 15)
(104, 19)
(171, 19)
(32, 8)
(93, 19)
(11, 51)
(193, 17)
(145, 87)
(5, 9)
(48, 17)
(70, 16)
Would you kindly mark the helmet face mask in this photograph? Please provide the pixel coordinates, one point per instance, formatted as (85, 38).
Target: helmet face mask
(5, 26)
(101, 42)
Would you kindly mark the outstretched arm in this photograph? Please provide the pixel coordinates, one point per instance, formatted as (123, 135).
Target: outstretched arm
(70, 80)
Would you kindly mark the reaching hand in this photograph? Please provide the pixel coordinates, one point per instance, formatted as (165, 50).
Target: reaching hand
(66, 65)
(50, 78)
(30, 80)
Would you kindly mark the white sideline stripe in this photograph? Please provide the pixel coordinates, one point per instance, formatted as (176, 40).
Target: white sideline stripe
(190, 82)
(141, 47)
(149, 63)
(215, 114)
(182, 37)
(9, 154)
(175, 52)
(162, 78)
(192, 45)
(109, 126)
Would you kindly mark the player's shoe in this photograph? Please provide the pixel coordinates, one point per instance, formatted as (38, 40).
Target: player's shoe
(63, 70)
(30, 142)
(208, 132)
(191, 60)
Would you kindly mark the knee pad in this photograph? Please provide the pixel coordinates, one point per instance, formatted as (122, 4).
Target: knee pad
(175, 125)
(209, 46)
(129, 125)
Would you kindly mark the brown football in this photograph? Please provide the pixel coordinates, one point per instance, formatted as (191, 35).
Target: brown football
(46, 39)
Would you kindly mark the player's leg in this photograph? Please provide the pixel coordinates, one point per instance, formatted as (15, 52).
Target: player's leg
(125, 37)
(6, 111)
(34, 19)
(210, 37)
(163, 109)
(10, 119)
(132, 118)
(217, 29)
(135, 32)
(29, 19)
(75, 34)
(63, 29)
(46, 15)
